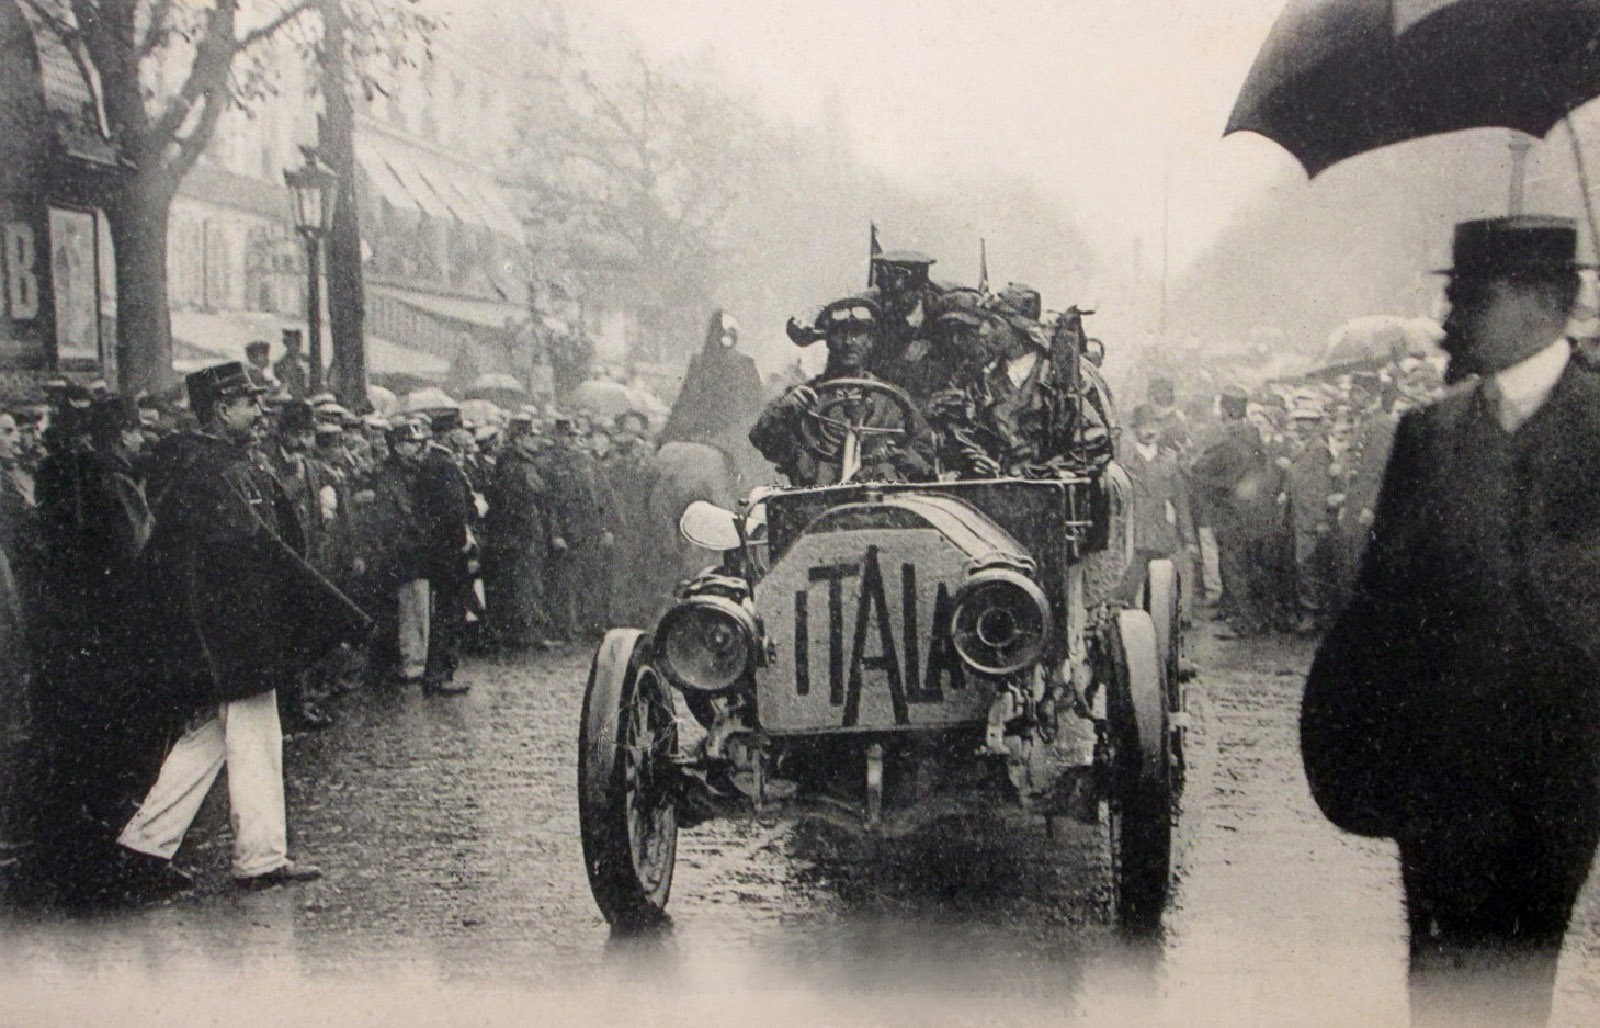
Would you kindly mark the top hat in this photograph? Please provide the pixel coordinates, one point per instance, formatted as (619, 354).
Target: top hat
(1515, 246)
(219, 382)
(444, 419)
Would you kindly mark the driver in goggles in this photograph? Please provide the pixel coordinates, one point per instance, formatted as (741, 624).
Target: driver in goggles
(896, 444)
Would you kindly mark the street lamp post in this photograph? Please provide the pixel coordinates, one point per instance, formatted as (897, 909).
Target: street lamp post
(314, 190)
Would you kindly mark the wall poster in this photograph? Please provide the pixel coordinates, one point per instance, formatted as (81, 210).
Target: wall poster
(75, 279)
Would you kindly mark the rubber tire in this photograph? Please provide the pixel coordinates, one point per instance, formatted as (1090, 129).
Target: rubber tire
(1142, 802)
(1162, 591)
(629, 896)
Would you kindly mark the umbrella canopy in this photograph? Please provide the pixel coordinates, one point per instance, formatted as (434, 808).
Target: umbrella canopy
(1374, 342)
(1337, 78)
(431, 398)
(383, 401)
(496, 381)
(481, 411)
(608, 399)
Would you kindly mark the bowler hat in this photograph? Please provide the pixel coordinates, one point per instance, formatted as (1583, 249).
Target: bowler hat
(218, 382)
(407, 431)
(113, 412)
(1517, 246)
(296, 416)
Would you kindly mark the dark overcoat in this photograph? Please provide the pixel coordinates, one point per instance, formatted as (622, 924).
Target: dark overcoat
(516, 549)
(232, 608)
(1458, 680)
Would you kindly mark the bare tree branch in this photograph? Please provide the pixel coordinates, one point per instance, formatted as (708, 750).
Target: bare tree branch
(270, 27)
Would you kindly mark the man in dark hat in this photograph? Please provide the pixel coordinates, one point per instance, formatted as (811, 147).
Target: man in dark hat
(290, 455)
(1235, 490)
(92, 522)
(1163, 524)
(239, 613)
(516, 544)
(904, 454)
(583, 516)
(1452, 706)
(444, 507)
(390, 539)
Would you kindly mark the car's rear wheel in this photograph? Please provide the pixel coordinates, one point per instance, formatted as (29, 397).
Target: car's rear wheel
(1141, 799)
(627, 784)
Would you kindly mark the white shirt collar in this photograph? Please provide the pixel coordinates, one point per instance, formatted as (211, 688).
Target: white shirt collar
(1148, 451)
(1526, 385)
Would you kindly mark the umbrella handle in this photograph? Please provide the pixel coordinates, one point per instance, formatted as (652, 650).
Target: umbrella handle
(1583, 184)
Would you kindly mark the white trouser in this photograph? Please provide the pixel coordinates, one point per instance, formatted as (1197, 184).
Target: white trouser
(413, 628)
(246, 736)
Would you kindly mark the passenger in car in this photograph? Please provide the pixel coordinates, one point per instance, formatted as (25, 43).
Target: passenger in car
(1013, 410)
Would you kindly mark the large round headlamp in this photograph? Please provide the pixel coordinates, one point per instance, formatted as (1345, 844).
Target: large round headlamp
(706, 643)
(999, 622)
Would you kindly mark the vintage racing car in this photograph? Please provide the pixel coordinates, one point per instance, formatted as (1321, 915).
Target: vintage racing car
(883, 655)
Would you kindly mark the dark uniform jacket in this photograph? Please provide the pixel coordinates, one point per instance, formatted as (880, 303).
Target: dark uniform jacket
(1234, 479)
(388, 529)
(234, 607)
(444, 506)
(1464, 669)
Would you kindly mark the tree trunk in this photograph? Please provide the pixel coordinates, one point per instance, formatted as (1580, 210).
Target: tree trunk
(138, 220)
(346, 290)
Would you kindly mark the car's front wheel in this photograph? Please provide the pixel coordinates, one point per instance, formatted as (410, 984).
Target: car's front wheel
(627, 783)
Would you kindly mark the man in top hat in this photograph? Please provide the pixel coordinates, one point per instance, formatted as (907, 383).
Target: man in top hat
(1452, 707)
(242, 613)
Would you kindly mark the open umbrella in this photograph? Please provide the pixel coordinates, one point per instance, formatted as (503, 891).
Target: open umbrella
(608, 399)
(430, 398)
(1337, 78)
(1373, 342)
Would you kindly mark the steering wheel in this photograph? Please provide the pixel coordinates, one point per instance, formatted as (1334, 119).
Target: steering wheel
(835, 426)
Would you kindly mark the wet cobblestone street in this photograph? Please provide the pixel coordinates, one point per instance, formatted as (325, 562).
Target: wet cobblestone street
(454, 894)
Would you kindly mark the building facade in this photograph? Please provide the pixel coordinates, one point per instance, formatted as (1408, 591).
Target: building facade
(57, 281)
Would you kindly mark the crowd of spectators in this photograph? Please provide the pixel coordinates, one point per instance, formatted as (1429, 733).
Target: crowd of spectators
(1266, 496)
(449, 535)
